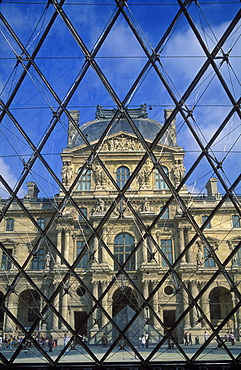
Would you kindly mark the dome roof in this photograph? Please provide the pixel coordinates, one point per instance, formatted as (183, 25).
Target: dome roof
(93, 130)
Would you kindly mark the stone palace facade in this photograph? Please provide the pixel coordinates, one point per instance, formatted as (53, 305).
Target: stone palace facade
(102, 227)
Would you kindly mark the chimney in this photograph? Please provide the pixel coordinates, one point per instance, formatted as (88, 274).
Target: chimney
(172, 127)
(32, 190)
(72, 130)
(212, 187)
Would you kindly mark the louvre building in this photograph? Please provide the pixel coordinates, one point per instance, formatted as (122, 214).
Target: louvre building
(125, 247)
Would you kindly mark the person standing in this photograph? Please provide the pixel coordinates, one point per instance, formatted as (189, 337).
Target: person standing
(190, 339)
(232, 338)
(143, 341)
(205, 336)
(66, 341)
(186, 339)
(104, 340)
(50, 343)
(147, 340)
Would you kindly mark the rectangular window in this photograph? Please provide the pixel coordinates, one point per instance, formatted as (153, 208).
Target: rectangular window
(85, 181)
(6, 261)
(239, 258)
(84, 211)
(236, 222)
(165, 215)
(83, 263)
(10, 224)
(166, 247)
(160, 183)
(208, 226)
(208, 260)
(38, 260)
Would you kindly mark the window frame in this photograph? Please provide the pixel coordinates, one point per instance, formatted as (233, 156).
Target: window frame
(167, 249)
(6, 260)
(236, 222)
(165, 215)
(122, 250)
(122, 177)
(10, 224)
(84, 262)
(204, 218)
(209, 262)
(84, 211)
(38, 260)
(160, 183)
(84, 184)
(41, 222)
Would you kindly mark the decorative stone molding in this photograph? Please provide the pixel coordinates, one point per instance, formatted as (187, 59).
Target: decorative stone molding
(122, 144)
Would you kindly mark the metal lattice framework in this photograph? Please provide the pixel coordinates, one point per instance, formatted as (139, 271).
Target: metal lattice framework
(48, 69)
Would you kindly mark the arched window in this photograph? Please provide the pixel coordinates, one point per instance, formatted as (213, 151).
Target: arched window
(122, 175)
(85, 181)
(124, 245)
(160, 183)
(41, 223)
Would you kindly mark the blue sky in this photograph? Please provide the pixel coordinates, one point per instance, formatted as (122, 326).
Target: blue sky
(121, 59)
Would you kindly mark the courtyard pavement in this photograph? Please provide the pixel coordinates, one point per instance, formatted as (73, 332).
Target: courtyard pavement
(78, 355)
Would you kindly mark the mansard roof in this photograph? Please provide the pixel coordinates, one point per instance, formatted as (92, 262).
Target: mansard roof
(93, 130)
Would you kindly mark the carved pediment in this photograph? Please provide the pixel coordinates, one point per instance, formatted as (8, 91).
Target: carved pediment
(122, 143)
(9, 242)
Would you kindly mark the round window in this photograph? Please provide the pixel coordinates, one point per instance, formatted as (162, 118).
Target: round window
(80, 291)
(168, 290)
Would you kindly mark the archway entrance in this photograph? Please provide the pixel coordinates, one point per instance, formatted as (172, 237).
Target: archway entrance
(220, 304)
(123, 309)
(122, 298)
(28, 307)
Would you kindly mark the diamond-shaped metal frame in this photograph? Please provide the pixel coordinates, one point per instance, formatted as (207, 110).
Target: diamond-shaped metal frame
(153, 61)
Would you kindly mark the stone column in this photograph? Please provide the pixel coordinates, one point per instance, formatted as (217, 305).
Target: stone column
(205, 302)
(71, 248)
(65, 308)
(104, 254)
(55, 318)
(59, 245)
(95, 249)
(8, 322)
(185, 303)
(145, 285)
(195, 313)
(236, 315)
(96, 295)
(104, 302)
(155, 304)
(181, 243)
(144, 250)
(191, 252)
(66, 246)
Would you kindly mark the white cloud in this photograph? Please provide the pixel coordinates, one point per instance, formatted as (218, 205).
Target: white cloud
(8, 174)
